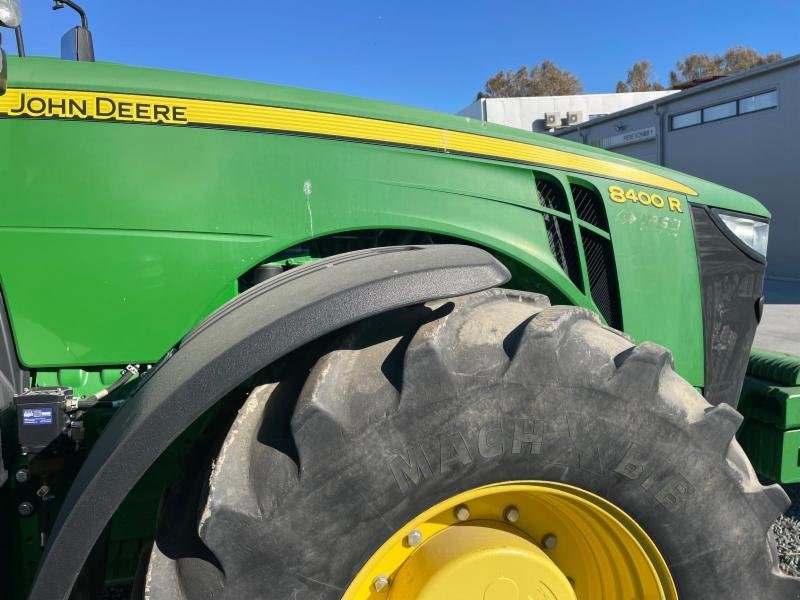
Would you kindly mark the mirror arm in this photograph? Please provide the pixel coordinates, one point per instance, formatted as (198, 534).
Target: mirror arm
(59, 4)
(3, 69)
(20, 41)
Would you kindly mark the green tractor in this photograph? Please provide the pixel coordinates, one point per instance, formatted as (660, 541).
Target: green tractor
(260, 342)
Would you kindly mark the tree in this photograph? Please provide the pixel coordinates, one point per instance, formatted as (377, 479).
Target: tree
(546, 79)
(640, 79)
(740, 59)
(734, 60)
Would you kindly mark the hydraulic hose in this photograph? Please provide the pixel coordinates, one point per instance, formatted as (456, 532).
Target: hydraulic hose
(96, 400)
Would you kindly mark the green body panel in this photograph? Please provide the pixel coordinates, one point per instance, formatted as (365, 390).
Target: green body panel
(659, 282)
(134, 233)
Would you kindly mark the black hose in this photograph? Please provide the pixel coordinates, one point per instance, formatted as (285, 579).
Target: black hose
(100, 404)
(96, 400)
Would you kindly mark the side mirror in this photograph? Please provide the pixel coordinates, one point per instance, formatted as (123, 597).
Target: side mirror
(77, 44)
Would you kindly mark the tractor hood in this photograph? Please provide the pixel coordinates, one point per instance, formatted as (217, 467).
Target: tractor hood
(108, 91)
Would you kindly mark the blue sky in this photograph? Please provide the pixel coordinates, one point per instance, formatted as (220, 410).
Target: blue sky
(432, 54)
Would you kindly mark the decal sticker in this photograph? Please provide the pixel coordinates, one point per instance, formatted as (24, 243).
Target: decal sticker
(620, 196)
(37, 416)
(115, 107)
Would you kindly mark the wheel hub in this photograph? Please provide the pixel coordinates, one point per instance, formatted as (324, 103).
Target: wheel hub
(482, 561)
(517, 540)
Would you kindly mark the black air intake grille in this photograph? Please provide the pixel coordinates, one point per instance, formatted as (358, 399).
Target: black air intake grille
(561, 237)
(589, 206)
(560, 233)
(551, 195)
(602, 274)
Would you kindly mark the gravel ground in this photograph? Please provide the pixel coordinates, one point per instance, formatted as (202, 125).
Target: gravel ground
(787, 533)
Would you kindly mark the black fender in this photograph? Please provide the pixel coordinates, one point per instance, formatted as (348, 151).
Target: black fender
(248, 333)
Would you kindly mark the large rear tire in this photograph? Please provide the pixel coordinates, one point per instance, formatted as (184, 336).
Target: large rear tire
(408, 409)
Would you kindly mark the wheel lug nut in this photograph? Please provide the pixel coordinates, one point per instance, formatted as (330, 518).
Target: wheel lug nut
(511, 514)
(380, 583)
(414, 538)
(22, 475)
(25, 509)
(549, 541)
(462, 512)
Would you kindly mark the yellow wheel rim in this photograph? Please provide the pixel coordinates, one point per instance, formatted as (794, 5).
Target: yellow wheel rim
(514, 541)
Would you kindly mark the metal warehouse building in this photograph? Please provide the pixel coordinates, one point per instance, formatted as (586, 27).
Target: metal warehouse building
(742, 131)
(544, 113)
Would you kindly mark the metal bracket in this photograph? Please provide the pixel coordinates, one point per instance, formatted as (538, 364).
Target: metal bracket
(250, 332)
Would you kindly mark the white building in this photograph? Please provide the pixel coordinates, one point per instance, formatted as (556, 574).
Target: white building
(543, 113)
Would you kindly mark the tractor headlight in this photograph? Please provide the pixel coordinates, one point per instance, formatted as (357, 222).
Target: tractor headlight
(754, 233)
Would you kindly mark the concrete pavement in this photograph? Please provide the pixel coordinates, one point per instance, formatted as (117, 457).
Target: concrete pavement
(780, 326)
(779, 329)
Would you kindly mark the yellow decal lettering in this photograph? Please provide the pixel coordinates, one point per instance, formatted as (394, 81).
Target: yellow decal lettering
(621, 195)
(674, 204)
(103, 108)
(179, 114)
(617, 193)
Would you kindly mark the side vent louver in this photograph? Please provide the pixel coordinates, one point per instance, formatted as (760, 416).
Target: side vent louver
(551, 195)
(560, 233)
(589, 207)
(601, 270)
(600, 266)
(602, 276)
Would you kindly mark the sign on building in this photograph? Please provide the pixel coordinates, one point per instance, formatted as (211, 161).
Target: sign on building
(631, 137)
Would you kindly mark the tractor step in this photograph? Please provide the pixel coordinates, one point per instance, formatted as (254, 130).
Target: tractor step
(770, 403)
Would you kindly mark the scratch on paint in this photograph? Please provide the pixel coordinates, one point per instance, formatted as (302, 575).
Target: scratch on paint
(307, 192)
